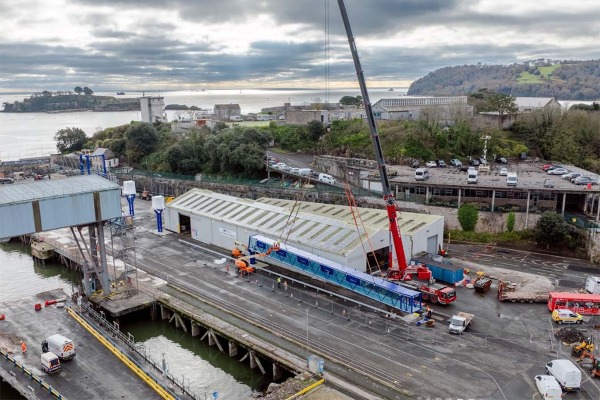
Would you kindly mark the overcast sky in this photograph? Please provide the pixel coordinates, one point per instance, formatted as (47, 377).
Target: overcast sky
(193, 44)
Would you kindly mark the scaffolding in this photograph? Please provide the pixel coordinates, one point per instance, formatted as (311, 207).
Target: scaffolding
(122, 243)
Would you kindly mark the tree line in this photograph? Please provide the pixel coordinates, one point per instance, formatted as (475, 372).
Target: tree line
(568, 80)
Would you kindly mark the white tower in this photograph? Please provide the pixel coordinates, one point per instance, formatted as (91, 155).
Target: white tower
(153, 109)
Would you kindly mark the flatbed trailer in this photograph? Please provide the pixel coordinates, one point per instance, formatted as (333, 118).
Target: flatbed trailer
(506, 293)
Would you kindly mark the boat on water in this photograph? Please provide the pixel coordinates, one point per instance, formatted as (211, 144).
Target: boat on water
(120, 93)
(390, 89)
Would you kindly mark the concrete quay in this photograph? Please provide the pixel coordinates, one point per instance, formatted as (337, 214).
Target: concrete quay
(93, 374)
(497, 358)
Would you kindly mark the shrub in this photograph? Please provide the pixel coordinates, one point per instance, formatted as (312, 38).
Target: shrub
(510, 221)
(467, 217)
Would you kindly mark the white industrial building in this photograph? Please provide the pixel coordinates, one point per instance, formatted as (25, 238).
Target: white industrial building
(324, 230)
(153, 109)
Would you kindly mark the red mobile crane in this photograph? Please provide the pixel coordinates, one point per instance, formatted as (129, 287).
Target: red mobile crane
(402, 271)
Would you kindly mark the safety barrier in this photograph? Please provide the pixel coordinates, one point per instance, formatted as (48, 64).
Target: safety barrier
(31, 376)
(150, 381)
(129, 341)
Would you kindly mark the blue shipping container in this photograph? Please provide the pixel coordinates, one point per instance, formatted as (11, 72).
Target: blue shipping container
(442, 271)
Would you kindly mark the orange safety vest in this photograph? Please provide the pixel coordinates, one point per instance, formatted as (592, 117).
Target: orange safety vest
(23, 347)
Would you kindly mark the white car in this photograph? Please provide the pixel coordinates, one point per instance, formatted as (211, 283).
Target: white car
(558, 171)
(431, 164)
(503, 171)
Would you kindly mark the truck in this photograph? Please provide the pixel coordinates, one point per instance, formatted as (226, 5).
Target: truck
(508, 292)
(592, 285)
(60, 345)
(50, 362)
(432, 292)
(459, 322)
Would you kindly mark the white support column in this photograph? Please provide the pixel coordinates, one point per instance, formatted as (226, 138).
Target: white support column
(493, 199)
(459, 192)
(195, 329)
(564, 204)
(427, 194)
(527, 209)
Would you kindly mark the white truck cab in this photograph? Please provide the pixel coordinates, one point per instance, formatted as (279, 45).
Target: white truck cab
(326, 178)
(511, 179)
(62, 346)
(50, 362)
(472, 175)
(566, 373)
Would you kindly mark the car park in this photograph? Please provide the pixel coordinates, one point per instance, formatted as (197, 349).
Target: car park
(414, 164)
(474, 162)
(431, 164)
(546, 167)
(441, 163)
(501, 160)
(279, 165)
(456, 162)
(503, 171)
(571, 176)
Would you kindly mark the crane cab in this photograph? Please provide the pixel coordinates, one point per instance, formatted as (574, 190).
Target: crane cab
(243, 266)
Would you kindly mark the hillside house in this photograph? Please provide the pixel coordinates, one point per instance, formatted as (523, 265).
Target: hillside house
(531, 104)
(224, 112)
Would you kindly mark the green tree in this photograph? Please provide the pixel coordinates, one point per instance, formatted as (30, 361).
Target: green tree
(510, 221)
(87, 91)
(70, 139)
(467, 217)
(78, 90)
(551, 229)
(503, 104)
(351, 101)
(142, 140)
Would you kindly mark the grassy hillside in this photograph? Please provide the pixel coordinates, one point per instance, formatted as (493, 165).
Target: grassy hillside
(572, 80)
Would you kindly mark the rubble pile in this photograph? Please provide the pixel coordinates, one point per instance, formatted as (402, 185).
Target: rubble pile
(569, 335)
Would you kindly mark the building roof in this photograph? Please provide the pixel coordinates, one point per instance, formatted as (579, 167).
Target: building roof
(227, 106)
(374, 218)
(322, 226)
(23, 192)
(100, 151)
(533, 102)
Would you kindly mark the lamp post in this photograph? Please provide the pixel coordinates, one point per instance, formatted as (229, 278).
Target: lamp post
(158, 205)
(307, 345)
(129, 192)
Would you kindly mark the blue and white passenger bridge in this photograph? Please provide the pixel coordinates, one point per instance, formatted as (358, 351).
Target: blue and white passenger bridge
(375, 288)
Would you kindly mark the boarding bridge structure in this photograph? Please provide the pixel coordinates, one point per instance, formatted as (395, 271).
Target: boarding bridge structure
(378, 289)
(82, 203)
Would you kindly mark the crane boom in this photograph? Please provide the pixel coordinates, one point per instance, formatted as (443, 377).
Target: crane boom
(388, 197)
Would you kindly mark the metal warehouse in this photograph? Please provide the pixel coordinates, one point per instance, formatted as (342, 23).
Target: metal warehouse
(324, 230)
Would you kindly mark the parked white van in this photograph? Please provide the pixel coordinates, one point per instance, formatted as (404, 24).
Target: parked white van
(548, 387)
(566, 373)
(421, 174)
(305, 171)
(511, 179)
(472, 174)
(326, 178)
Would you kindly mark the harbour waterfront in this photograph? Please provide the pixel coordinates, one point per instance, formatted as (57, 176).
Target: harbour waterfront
(207, 369)
(32, 134)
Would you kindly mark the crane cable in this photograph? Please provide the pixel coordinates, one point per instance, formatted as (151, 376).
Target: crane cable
(353, 207)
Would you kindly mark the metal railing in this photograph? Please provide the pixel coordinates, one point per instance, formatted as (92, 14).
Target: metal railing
(138, 348)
